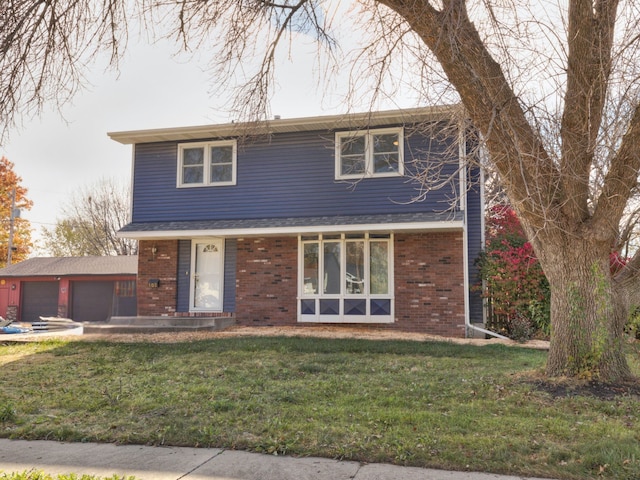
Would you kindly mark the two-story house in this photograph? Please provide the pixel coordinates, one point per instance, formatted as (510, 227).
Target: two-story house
(320, 220)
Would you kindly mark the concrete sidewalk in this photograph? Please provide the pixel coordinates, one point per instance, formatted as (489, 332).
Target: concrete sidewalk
(164, 463)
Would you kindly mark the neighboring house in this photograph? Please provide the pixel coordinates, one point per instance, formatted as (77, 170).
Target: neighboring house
(86, 289)
(309, 221)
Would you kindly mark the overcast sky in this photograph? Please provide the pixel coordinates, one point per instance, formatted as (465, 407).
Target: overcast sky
(57, 154)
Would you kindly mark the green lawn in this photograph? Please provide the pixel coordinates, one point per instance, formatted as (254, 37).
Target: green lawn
(424, 404)
(39, 475)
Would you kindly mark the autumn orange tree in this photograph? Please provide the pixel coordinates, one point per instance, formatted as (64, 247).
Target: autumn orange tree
(553, 88)
(10, 182)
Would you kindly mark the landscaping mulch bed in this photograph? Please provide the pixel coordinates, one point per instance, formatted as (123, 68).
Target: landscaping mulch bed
(602, 391)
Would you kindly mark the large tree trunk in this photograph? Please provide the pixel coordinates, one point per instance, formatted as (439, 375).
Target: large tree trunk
(571, 236)
(587, 313)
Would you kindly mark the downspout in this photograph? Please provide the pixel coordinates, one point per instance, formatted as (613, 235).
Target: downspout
(462, 146)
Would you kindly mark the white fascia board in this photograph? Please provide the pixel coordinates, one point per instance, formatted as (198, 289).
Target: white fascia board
(328, 122)
(311, 229)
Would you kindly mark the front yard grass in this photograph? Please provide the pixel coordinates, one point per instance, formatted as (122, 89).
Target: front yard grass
(426, 404)
(39, 475)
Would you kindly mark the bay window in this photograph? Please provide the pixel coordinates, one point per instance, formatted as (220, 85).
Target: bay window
(346, 278)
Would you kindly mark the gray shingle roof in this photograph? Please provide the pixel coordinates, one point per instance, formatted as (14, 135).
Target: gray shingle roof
(291, 222)
(65, 266)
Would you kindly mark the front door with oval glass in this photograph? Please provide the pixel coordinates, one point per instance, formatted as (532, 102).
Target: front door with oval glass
(207, 280)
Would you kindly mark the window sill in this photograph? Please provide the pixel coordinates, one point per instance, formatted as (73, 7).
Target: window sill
(369, 176)
(345, 319)
(200, 185)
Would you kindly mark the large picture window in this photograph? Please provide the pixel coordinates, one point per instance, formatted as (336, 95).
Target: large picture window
(374, 153)
(346, 278)
(207, 164)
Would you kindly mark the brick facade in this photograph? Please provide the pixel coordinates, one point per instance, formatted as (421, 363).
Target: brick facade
(161, 264)
(266, 281)
(429, 282)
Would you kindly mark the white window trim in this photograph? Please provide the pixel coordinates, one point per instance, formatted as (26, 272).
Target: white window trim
(207, 163)
(317, 317)
(369, 173)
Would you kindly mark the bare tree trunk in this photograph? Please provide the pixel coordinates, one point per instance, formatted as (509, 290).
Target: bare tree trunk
(551, 193)
(587, 313)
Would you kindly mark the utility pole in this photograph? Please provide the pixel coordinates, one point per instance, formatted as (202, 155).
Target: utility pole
(11, 222)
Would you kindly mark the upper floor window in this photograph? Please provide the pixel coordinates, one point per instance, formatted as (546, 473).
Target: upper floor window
(372, 153)
(211, 163)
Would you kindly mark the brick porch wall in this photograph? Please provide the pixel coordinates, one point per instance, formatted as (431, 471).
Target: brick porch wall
(266, 281)
(429, 283)
(163, 265)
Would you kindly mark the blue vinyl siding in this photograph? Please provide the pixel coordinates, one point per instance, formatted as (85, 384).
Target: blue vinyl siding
(184, 275)
(475, 224)
(230, 256)
(285, 175)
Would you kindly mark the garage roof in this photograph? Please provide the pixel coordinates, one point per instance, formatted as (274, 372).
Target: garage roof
(65, 266)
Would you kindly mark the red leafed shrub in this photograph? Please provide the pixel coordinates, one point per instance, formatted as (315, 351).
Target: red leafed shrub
(517, 290)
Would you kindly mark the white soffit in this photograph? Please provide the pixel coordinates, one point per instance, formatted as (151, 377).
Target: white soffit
(331, 122)
(441, 226)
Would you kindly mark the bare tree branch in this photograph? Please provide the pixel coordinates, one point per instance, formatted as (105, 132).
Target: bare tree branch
(91, 220)
(46, 46)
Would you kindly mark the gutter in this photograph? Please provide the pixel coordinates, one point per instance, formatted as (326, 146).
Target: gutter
(465, 240)
(486, 332)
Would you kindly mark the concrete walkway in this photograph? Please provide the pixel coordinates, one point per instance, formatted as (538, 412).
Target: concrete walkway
(174, 463)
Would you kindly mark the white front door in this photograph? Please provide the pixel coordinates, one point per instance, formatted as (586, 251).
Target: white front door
(207, 281)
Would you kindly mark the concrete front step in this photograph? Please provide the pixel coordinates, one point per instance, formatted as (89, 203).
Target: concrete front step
(159, 324)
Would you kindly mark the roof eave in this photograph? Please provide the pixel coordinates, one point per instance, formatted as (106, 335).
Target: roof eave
(402, 227)
(327, 122)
